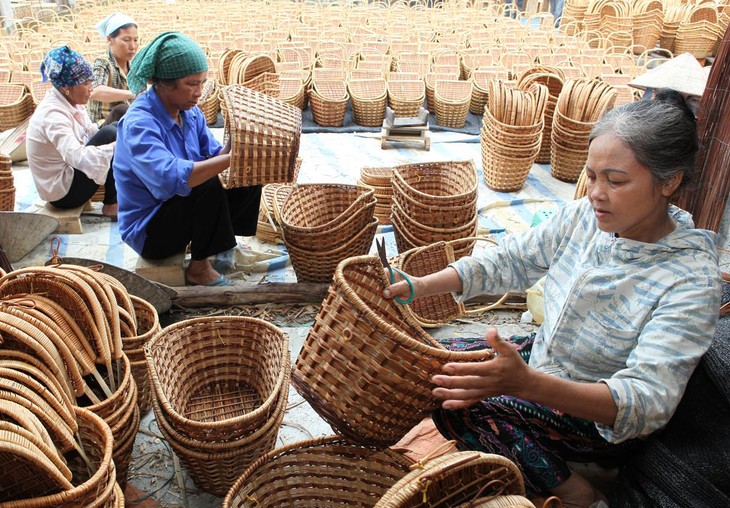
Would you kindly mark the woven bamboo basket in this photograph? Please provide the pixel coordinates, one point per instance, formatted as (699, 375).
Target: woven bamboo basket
(269, 224)
(7, 199)
(369, 100)
(426, 234)
(452, 102)
(509, 501)
(328, 101)
(454, 479)
(209, 102)
(217, 378)
(215, 465)
(314, 265)
(506, 173)
(90, 485)
(265, 135)
(366, 364)
(318, 473)
(38, 90)
(434, 311)
(479, 78)
(291, 91)
(406, 97)
(16, 104)
(324, 216)
(245, 68)
(148, 324)
(379, 180)
(437, 186)
(430, 83)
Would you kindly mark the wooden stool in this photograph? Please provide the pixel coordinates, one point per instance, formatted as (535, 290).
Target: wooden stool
(168, 271)
(69, 220)
(406, 130)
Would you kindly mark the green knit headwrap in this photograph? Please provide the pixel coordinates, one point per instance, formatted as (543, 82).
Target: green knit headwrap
(170, 55)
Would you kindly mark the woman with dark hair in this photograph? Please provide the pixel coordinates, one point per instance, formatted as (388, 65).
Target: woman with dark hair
(168, 163)
(69, 155)
(110, 70)
(631, 303)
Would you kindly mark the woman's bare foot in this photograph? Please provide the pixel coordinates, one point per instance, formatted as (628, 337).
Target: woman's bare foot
(200, 272)
(110, 210)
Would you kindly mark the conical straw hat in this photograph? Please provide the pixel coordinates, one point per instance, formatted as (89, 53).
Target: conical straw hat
(682, 73)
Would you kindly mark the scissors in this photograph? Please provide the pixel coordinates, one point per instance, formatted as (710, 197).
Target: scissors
(380, 244)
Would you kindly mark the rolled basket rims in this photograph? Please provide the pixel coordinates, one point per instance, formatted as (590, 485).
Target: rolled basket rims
(324, 472)
(265, 134)
(217, 379)
(364, 349)
(454, 479)
(406, 97)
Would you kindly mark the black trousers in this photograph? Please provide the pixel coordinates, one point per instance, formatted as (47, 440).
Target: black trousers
(209, 219)
(83, 187)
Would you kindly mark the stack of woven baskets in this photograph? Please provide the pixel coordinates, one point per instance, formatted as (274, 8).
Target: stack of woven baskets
(7, 184)
(452, 98)
(698, 33)
(434, 201)
(324, 224)
(648, 20)
(580, 105)
(148, 324)
(16, 104)
(209, 102)
(369, 100)
(553, 78)
(511, 134)
(221, 386)
(379, 179)
(74, 321)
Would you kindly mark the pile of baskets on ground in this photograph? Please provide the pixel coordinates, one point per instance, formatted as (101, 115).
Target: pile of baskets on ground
(221, 387)
(67, 385)
(323, 224)
(7, 184)
(434, 201)
(380, 180)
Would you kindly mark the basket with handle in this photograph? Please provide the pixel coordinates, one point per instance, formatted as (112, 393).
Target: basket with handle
(369, 100)
(328, 100)
(217, 378)
(406, 97)
(16, 104)
(265, 135)
(453, 479)
(322, 472)
(452, 102)
(366, 364)
(324, 216)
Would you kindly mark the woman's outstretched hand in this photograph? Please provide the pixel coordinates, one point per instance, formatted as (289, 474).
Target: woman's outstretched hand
(462, 384)
(401, 289)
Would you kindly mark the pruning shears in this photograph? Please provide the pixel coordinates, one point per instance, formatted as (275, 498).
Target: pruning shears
(380, 244)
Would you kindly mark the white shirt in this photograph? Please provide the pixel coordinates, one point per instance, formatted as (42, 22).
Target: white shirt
(56, 144)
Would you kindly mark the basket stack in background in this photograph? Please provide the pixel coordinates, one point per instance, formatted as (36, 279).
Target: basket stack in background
(221, 386)
(7, 184)
(580, 104)
(324, 224)
(434, 201)
(511, 134)
(553, 78)
(379, 179)
(16, 104)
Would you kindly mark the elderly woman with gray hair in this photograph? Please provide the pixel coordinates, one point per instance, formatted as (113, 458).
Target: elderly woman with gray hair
(631, 303)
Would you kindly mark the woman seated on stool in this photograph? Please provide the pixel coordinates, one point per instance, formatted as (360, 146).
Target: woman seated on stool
(111, 92)
(68, 154)
(631, 303)
(167, 164)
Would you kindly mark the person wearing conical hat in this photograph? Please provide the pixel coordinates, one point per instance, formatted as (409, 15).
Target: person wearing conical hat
(167, 163)
(110, 69)
(68, 154)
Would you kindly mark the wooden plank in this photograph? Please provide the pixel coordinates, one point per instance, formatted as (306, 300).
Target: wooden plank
(250, 294)
(69, 220)
(168, 271)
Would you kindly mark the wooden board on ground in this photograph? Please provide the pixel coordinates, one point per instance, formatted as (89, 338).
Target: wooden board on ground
(21, 232)
(169, 271)
(251, 294)
(137, 285)
(69, 221)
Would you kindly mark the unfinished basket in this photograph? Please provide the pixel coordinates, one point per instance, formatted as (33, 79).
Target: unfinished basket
(217, 378)
(318, 473)
(16, 104)
(328, 101)
(369, 100)
(406, 97)
(453, 479)
(452, 102)
(265, 135)
(366, 364)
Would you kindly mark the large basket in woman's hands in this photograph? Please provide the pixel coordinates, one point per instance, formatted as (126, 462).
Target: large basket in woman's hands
(366, 365)
(264, 134)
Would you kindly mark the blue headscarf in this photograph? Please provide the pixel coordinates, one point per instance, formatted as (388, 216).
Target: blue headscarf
(65, 67)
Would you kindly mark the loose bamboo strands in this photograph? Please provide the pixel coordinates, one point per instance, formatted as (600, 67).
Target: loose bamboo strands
(707, 201)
